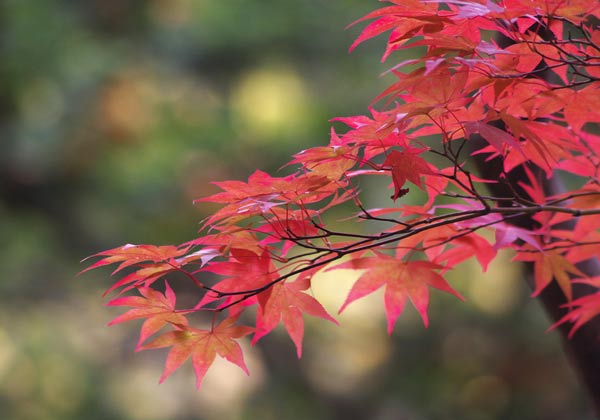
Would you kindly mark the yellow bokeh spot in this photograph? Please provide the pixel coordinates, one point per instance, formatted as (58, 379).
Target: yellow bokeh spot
(497, 291)
(343, 358)
(268, 102)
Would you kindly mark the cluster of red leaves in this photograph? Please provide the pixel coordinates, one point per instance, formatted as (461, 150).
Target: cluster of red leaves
(522, 75)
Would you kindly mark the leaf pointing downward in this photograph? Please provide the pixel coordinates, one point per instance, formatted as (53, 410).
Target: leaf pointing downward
(406, 165)
(401, 279)
(202, 346)
(550, 265)
(287, 302)
(158, 309)
(581, 311)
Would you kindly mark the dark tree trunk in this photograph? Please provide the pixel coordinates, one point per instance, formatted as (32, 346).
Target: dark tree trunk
(583, 349)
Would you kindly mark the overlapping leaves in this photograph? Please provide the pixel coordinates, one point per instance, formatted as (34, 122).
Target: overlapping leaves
(530, 106)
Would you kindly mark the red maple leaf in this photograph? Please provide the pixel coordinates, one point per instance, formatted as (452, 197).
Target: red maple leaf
(581, 310)
(287, 302)
(406, 165)
(402, 280)
(245, 271)
(203, 346)
(533, 102)
(262, 193)
(460, 248)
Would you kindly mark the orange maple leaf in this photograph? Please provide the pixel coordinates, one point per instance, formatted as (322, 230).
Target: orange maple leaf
(130, 254)
(548, 265)
(203, 347)
(159, 310)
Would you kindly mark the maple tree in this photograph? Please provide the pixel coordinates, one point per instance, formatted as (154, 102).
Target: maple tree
(495, 123)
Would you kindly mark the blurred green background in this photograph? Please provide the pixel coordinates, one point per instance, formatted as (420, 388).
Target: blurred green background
(115, 115)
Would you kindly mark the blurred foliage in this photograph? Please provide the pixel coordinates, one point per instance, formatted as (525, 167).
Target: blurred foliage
(115, 115)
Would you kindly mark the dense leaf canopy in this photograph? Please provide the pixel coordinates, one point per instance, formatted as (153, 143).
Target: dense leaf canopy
(515, 82)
